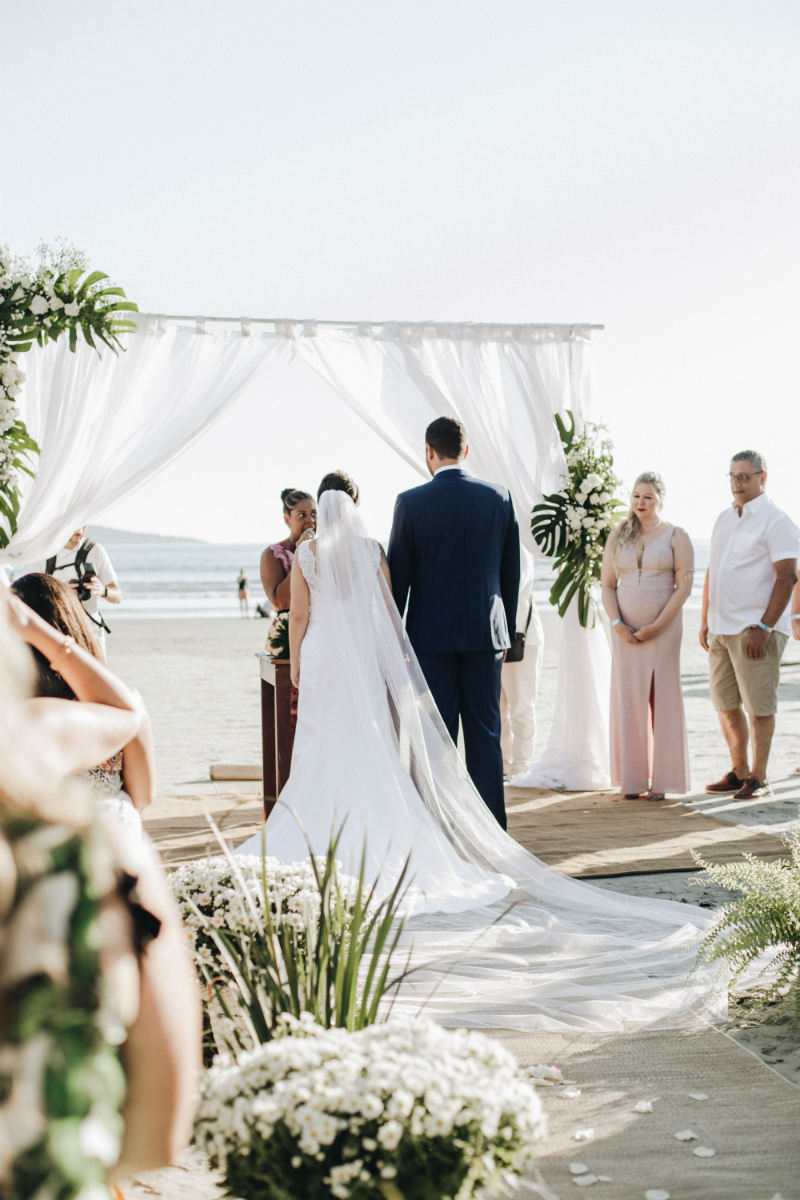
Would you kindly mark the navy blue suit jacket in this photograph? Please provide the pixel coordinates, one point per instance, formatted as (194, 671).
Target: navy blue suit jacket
(454, 558)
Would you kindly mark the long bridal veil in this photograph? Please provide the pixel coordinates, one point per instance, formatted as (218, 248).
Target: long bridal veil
(551, 953)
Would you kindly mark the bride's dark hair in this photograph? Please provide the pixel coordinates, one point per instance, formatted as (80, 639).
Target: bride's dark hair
(339, 481)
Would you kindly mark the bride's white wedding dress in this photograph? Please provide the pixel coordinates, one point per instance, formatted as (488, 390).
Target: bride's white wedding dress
(498, 937)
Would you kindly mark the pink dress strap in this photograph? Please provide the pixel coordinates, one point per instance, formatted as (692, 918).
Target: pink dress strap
(284, 556)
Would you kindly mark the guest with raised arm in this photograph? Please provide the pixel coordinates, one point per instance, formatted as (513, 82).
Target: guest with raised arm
(746, 621)
(102, 997)
(648, 566)
(124, 780)
(300, 515)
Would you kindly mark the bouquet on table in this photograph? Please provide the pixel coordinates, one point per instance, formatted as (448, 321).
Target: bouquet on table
(278, 636)
(402, 1109)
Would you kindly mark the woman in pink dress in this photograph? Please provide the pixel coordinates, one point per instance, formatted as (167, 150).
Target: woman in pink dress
(647, 576)
(300, 515)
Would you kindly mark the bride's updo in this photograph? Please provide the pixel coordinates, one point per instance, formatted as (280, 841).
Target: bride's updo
(629, 529)
(339, 481)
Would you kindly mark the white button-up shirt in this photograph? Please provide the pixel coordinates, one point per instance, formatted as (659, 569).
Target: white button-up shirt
(741, 571)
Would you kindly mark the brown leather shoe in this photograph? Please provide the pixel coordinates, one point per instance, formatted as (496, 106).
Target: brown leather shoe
(751, 788)
(728, 783)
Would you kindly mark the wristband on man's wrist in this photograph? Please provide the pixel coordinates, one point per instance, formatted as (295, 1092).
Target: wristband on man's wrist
(761, 625)
(795, 617)
(105, 591)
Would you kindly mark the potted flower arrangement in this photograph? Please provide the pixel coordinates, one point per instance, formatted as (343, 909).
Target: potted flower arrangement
(392, 1111)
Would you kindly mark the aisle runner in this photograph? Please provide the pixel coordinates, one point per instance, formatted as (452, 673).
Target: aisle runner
(750, 1118)
(600, 833)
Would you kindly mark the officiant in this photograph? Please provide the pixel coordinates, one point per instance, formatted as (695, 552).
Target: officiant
(300, 515)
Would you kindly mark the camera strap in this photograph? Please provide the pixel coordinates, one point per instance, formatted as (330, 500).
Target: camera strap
(82, 553)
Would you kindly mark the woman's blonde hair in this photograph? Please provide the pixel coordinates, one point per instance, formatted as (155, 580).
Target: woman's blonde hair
(629, 529)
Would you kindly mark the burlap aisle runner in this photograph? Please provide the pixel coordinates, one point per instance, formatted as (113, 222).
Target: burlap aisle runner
(587, 834)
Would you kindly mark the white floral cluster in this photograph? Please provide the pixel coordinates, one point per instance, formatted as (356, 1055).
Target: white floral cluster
(589, 487)
(215, 893)
(25, 293)
(352, 1104)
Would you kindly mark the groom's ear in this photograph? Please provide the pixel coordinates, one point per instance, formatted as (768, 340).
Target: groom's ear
(466, 452)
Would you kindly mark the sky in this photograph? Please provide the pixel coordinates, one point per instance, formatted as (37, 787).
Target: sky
(624, 162)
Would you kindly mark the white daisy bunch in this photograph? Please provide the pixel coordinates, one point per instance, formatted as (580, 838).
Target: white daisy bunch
(400, 1109)
(218, 894)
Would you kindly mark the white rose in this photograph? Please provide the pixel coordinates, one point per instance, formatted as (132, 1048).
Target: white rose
(55, 304)
(39, 306)
(72, 309)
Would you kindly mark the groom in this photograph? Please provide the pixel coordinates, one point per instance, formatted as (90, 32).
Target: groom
(454, 557)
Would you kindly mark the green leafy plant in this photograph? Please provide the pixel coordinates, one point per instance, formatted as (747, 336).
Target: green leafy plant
(322, 945)
(765, 916)
(572, 526)
(38, 306)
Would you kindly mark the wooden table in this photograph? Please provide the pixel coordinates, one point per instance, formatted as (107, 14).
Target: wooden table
(277, 726)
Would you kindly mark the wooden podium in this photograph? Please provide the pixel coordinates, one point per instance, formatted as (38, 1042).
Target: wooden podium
(277, 726)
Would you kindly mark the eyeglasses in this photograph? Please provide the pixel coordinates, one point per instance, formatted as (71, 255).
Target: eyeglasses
(742, 478)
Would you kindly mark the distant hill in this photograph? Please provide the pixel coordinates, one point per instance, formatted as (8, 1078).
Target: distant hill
(126, 537)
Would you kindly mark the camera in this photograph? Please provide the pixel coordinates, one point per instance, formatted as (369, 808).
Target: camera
(84, 591)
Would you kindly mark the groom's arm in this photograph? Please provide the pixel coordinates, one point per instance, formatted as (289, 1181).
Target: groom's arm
(510, 570)
(400, 554)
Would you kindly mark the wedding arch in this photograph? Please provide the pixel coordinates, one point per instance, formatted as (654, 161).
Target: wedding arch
(107, 425)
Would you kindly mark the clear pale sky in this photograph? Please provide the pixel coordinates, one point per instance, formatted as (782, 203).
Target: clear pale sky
(626, 162)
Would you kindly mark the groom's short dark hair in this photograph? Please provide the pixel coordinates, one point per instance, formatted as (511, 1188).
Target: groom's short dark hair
(447, 437)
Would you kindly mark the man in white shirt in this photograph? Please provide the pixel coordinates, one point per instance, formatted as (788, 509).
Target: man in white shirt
(745, 624)
(86, 567)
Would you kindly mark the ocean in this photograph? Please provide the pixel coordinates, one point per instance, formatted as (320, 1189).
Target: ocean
(178, 579)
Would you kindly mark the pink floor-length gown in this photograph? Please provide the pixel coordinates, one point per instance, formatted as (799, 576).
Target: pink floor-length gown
(644, 753)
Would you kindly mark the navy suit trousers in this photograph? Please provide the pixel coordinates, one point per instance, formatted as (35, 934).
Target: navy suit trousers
(467, 685)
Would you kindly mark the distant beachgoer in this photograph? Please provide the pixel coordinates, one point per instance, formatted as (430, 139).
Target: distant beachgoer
(124, 782)
(241, 585)
(300, 515)
(88, 570)
(746, 622)
(648, 566)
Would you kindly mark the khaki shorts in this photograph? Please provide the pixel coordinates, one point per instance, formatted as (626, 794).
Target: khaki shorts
(737, 680)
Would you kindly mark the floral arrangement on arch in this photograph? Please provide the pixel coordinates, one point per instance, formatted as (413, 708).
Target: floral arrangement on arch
(38, 306)
(391, 1111)
(572, 526)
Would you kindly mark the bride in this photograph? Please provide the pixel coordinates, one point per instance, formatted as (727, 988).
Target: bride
(496, 937)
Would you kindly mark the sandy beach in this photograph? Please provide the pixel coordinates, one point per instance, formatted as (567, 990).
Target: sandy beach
(200, 681)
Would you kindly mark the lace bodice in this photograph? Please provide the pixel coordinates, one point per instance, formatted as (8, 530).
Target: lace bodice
(307, 559)
(653, 567)
(105, 779)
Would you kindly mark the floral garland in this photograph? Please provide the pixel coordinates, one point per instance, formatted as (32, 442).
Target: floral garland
(62, 1083)
(572, 526)
(38, 306)
(393, 1110)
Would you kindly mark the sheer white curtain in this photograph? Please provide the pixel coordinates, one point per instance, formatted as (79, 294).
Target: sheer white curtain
(106, 424)
(505, 383)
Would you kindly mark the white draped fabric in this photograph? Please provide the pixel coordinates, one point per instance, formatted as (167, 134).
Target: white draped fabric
(107, 424)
